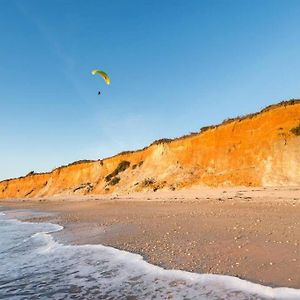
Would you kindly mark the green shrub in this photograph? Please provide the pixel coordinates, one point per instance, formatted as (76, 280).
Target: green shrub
(161, 141)
(296, 130)
(205, 128)
(122, 166)
(114, 181)
(108, 177)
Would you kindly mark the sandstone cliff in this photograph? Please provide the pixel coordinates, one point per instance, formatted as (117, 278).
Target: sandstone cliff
(261, 149)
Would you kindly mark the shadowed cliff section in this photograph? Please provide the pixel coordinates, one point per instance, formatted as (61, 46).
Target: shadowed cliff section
(260, 149)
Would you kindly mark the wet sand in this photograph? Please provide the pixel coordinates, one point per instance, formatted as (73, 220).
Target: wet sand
(251, 233)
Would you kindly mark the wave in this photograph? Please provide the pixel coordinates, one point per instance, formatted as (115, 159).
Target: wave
(53, 270)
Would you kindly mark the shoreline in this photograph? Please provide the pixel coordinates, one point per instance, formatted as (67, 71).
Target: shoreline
(250, 233)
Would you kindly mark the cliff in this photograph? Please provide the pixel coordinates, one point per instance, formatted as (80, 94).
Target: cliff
(261, 149)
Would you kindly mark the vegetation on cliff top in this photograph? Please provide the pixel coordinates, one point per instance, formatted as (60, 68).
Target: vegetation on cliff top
(295, 131)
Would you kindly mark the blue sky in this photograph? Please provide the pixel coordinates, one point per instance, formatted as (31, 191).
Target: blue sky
(175, 66)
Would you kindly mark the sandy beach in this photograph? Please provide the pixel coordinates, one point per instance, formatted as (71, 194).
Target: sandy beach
(251, 233)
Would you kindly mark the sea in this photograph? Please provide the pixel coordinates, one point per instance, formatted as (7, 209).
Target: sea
(33, 265)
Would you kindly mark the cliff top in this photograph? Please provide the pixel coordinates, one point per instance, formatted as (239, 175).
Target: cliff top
(167, 140)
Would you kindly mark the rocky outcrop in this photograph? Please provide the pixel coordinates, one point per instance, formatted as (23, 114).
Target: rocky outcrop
(261, 149)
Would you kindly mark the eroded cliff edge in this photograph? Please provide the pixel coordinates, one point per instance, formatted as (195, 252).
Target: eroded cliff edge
(261, 149)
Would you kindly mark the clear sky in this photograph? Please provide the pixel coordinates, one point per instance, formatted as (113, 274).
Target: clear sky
(175, 66)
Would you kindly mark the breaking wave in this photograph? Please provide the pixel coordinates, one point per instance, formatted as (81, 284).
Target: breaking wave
(35, 266)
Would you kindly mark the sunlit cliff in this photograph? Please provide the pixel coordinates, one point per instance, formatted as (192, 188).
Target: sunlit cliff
(261, 149)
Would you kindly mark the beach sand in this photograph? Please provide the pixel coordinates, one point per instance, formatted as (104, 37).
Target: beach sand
(251, 233)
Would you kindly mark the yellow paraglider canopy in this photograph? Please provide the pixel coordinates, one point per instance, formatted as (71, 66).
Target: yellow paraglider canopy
(102, 74)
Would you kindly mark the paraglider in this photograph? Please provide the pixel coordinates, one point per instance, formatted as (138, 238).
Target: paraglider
(103, 75)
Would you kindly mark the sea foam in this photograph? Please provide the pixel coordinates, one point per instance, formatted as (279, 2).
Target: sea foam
(35, 266)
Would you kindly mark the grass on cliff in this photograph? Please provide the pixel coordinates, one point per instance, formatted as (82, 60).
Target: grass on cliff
(203, 129)
(296, 130)
(122, 166)
(114, 181)
(148, 181)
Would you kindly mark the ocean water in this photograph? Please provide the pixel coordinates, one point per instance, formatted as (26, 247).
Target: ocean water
(35, 266)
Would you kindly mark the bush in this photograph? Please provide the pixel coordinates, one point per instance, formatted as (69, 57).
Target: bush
(108, 178)
(115, 181)
(122, 166)
(161, 141)
(205, 128)
(148, 181)
(296, 130)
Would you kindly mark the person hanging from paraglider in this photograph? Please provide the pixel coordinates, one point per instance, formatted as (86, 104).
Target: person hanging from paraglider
(103, 75)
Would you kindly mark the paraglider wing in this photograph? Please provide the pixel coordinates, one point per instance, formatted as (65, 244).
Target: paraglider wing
(103, 75)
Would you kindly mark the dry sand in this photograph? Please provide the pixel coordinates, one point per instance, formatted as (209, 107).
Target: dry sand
(251, 233)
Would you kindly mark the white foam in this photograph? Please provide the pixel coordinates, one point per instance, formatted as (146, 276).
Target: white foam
(109, 272)
(139, 265)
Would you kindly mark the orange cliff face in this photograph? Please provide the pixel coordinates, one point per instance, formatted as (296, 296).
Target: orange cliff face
(262, 149)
